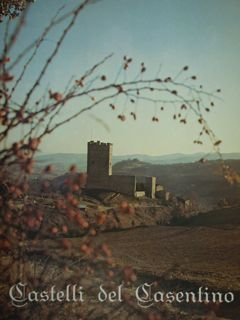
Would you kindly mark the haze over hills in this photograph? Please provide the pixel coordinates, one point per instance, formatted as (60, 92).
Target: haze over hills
(203, 183)
(181, 174)
(62, 161)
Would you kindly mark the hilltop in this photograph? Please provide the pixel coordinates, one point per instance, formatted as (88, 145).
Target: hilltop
(203, 183)
(62, 161)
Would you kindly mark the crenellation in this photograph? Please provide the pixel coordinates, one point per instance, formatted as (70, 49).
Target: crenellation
(99, 143)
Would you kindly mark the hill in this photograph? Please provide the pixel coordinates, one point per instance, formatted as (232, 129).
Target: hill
(203, 183)
(62, 161)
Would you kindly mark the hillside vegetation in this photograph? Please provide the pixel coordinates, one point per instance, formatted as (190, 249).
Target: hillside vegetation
(203, 183)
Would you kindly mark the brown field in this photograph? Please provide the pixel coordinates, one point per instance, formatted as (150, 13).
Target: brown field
(201, 255)
(200, 251)
(203, 252)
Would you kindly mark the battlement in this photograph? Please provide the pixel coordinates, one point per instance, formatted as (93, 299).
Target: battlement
(99, 144)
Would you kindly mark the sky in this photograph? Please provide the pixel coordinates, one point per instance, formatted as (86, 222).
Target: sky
(166, 35)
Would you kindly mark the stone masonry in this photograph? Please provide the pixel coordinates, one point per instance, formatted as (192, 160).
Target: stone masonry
(100, 177)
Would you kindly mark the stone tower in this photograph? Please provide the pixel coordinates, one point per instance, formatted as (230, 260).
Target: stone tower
(99, 159)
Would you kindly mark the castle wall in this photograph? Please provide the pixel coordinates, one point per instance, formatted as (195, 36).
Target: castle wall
(99, 170)
(150, 187)
(98, 182)
(123, 184)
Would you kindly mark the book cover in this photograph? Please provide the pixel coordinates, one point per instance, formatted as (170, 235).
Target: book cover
(119, 160)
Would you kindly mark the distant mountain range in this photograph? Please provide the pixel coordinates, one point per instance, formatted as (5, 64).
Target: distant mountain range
(62, 161)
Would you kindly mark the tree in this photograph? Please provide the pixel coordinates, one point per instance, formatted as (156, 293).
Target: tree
(40, 117)
(13, 8)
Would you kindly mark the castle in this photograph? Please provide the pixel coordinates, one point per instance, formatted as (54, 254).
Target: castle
(100, 177)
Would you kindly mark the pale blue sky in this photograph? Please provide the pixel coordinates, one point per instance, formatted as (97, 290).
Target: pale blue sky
(202, 34)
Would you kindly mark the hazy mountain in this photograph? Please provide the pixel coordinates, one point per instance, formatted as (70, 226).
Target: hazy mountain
(62, 161)
(203, 183)
(181, 174)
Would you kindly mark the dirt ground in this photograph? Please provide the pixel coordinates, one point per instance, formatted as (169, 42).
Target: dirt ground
(208, 256)
(202, 253)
